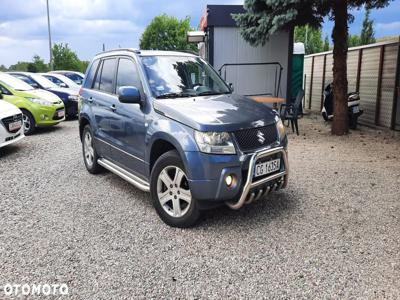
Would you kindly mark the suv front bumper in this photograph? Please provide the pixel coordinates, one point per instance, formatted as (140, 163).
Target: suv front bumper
(207, 175)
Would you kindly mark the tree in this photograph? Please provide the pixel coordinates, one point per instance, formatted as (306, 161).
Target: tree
(353, 40)
(326, 43)
(19, 66)
(367, 31)
(167, 33)
(3, 68)
(263, 18)
(39, 64)
(310, 37)
(65, 59)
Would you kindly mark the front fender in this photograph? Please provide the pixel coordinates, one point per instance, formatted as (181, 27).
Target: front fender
(179, 135)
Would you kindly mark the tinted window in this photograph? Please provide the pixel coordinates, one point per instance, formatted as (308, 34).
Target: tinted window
(75, 77)
(91, 74)
(96, 84)
(107, 76)
(127, 74)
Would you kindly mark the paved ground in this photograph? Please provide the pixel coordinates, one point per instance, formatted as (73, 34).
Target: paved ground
(333, 233)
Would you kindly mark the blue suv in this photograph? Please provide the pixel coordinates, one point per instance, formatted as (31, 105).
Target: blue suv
(168, 124)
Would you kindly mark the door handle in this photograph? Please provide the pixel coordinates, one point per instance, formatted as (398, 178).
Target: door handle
(113, 108)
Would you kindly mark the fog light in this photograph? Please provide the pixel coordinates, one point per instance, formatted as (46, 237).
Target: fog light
(229, 180)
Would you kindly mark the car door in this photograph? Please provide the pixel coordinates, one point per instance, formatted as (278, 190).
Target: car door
(101, 97)
(128, 124)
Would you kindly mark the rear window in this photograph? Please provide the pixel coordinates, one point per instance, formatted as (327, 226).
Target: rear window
(107, 76)
(91, 74)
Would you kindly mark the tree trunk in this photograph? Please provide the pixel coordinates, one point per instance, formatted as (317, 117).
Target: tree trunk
(340, 124)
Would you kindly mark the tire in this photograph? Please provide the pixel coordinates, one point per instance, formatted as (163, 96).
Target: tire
(89, 151)
(28, 122)
(168, 182)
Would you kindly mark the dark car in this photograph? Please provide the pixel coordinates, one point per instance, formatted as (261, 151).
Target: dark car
(167, 123)
(67, 95)
(75, 76)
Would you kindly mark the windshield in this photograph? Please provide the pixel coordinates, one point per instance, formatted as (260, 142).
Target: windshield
(44, 82)
(181, 76)
(59, 79)
(14, 83)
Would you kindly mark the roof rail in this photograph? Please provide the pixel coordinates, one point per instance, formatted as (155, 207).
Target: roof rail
(137, 51)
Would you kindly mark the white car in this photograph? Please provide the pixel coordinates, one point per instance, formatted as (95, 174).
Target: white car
(11, 129)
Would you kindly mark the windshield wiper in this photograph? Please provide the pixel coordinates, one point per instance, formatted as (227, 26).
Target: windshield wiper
(206, 93)
(174, 95)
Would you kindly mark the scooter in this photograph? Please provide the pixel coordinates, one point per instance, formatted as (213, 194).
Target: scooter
(353, 104)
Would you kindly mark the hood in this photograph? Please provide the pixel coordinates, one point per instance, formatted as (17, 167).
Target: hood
(49, 96)
(216, 113)
(8, 108)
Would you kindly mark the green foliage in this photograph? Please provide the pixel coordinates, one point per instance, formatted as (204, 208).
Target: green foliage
(39, 64)
(3, 68)
(19, 66)
(65, 59)
(310, 37)
(367, 32)
(167, 33)
(353, 40)
(263, 18)
(326, 44)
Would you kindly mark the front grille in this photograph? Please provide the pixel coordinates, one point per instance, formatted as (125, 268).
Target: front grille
(255, 138)
(6, 122)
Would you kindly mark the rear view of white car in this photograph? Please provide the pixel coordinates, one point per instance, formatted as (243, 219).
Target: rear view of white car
(11, 129)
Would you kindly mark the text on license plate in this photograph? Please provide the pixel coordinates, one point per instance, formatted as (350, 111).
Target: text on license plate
(14, 125)
(267, 167)
(61, 113)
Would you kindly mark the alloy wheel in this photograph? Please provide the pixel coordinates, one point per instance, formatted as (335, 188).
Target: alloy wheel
(27, 123)
(173, 191)
(88, 149)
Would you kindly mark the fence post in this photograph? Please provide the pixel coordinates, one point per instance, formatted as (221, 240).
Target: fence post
(360, 54)
(396, 92)
(379, 87)
(311, 83)
(323, 82)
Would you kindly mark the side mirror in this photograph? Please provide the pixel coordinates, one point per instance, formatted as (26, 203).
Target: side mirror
(129, 94)
(35, 86)
(63, 85)
(231, 87)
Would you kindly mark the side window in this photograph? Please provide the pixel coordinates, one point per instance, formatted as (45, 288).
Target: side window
(4, 91)
(91, 74)
(96, 84)
(107, 76)
(127, 74)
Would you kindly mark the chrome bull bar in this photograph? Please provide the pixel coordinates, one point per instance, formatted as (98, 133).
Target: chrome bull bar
(245, 198)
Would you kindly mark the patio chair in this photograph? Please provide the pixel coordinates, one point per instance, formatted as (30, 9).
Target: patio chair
(291, 112)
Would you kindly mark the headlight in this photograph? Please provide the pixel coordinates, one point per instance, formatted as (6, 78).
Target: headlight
(73, 98)
(40, 101)
(281, 128)
(214, 142)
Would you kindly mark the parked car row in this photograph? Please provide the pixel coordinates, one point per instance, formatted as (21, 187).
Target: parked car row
(31, 100)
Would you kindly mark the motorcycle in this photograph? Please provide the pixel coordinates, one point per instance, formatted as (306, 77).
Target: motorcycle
(353, 104)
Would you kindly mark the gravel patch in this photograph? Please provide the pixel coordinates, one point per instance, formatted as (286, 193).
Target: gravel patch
(333, 233)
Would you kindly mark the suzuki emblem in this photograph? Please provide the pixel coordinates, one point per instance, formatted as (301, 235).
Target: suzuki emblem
(261, 137)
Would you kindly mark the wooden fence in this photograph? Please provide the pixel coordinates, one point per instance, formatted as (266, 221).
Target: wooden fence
(372, 70)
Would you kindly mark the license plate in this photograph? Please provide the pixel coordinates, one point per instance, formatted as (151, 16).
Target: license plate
(14, 125)
(60, 113)
(267, 167)
(356, 109)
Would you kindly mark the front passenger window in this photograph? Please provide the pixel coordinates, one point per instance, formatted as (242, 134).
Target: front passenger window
(127, 74)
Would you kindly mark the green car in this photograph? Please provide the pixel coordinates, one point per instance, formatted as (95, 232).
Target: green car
(39, 108)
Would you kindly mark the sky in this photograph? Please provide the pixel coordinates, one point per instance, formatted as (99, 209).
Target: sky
(86, 24)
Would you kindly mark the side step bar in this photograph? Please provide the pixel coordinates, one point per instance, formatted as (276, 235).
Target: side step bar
(124, 174)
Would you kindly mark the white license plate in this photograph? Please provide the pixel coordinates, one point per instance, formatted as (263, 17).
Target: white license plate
(60, 113)
(356, 109)
(14, 125)
(267, 167)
